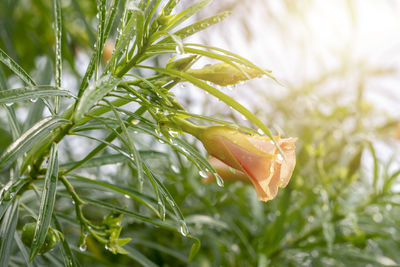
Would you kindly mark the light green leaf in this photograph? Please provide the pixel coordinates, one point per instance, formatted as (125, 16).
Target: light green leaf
(94, 93)
(9, 192)
(7, 230)
(32, 92)
(28, 139)
(47, 202)
(196, 27)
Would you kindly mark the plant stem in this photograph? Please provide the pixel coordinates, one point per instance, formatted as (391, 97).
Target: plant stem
(78, 202)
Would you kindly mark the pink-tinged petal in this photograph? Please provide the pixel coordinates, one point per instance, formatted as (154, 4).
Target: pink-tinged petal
(257, 167)
(256, 157)
(265, 145)
(226, 172)
(289, 162)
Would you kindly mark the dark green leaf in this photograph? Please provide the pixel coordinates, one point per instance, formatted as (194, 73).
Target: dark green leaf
(12, 65)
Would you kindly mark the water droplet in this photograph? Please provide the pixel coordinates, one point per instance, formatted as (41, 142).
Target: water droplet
(244, 118)
(9, 104)
(280, 157)
(170, 202)
(183, 228)
(161, 141)
(314, 253)
(203, 174)
(135, 122)
(174, 169)
(220, 182)
(261, 132)
(127, 196)
(174, 133)
(33, 100)
(83, 247)
(377, 217)
(161, 209)
(179, 50)
(158, 132)
(73, 202)
(235, 248)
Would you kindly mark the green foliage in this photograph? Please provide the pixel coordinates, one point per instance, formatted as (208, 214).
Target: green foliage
(29, 162)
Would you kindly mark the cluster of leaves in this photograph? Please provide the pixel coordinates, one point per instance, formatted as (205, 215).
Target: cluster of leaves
(119, 111)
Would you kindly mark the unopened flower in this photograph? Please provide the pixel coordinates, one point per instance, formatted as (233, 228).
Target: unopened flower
(251, 156)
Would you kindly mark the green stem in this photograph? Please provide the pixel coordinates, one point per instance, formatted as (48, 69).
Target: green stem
(187, 127)
(78, 202)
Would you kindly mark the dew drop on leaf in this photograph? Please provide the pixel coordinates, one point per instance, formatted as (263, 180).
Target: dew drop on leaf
(83, 247)
(203, 174)
(183, 228)
(174, 169)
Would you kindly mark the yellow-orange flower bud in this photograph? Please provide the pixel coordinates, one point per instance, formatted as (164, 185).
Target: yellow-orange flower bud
(252, 155)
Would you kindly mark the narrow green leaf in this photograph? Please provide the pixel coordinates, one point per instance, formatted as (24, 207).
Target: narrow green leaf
(196, 27)
(7, 230)
(376, 168)
(101, 204)
(9, 192)
(126, 33)
(58, 33)
(137, 196)
(3, 80)
(98, 161)
(28, 139)
(163, 249)
(31, 93)
(195, 247)
(22, 248)
(111, 12)
(83, 18)
(139, 257)
(69, 257)
(14, 67)
(167, 9)
(94, 60)
(47, 202)
(242, 60)
(94, 93)
(185, 14)
(150, 9)
(140, 27)
(14, 125)
(113, 159)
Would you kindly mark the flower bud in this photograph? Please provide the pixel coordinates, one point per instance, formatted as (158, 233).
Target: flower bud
(255, 156)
